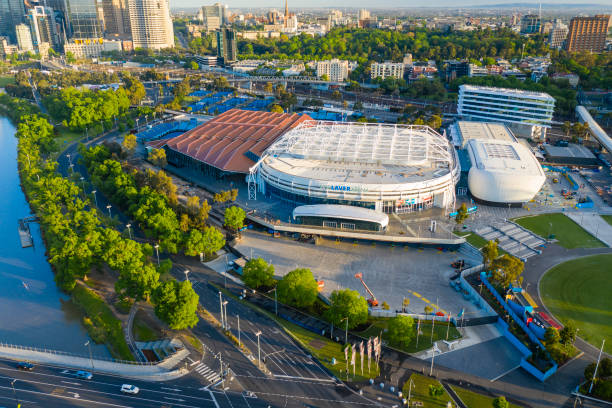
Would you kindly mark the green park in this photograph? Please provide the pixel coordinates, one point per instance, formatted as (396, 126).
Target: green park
(557, 226)
(577, 292)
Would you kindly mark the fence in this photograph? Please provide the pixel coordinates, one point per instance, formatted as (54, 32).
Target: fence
(64, 353)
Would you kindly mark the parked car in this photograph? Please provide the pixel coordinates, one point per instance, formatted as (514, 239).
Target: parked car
(129, 389)
(25, 366)
(86, 375)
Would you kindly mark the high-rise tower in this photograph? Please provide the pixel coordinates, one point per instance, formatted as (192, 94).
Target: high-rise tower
(151, 24)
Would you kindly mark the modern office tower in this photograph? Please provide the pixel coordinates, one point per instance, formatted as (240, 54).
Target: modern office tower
(387, 69)
(587, 33)
(151, 24)
(213, 16)
(456, 69)
(557, 35)
(528, 114)
(24, 37)
(82, 19)
(531, 24)
(226, 45)
(335, 69)
(116, 18)
(43, 27)
(12, 12)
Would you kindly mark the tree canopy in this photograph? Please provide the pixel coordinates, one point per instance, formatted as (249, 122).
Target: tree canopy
(298, 288)
(257, 273)
(347, 303)
(401, 330)
(176, 303)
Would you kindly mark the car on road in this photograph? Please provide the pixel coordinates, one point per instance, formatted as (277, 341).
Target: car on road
(86, 375)
(129, 389)
(25, 366)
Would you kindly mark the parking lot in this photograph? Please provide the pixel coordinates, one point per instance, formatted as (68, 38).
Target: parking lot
(392, 273)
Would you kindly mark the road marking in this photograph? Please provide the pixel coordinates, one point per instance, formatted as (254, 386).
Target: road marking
(71, 383)
(171, 389)
(503, 374)
(175, 399)
(303, 378)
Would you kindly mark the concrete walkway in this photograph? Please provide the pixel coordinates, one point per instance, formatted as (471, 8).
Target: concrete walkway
(595, 225)
(163, 371)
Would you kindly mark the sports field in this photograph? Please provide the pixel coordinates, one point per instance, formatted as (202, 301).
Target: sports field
(578, 291)
(567, 233)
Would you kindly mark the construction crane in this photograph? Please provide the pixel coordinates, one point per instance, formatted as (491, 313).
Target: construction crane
(372, 300)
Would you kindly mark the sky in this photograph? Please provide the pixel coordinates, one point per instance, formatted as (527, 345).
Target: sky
(369, 3)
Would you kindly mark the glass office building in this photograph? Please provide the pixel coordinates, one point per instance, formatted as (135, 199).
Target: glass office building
(83, 19)
(12, 13)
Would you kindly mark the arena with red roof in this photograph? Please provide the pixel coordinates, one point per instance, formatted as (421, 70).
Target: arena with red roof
(229, 143)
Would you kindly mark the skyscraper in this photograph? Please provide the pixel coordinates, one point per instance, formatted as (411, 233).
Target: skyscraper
(116, 18)
(531, 24)
(226, 45)
(82, 19)
(213, 16)
(43, 27)
(587, 33)
(24, 37)
(151, 24)
(12, 12)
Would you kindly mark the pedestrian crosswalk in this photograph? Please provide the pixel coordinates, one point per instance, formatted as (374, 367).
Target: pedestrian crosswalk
(205, 371)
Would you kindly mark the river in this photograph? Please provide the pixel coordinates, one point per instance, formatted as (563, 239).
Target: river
(33, 312)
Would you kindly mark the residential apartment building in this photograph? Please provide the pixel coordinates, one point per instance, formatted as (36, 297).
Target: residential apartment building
(557, 35)
(24, 38)
(336, 70)
(528, 114)
(226, 45)
(151, 24)
(116, 18)
(531, 24)
(587, 33)
(43, 28)
(387, 69)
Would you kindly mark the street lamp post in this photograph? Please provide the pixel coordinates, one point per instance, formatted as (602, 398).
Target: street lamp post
(224, 311)
(108, 207)
(95, 198)
(238, 317)
(275, 303)
(15, 393)
(71, 168)
(345, 329)
(88, 344)
(129, 230)
(258, 349)
(157, 252)
(221, 309)
(83, 184)
(187, 275)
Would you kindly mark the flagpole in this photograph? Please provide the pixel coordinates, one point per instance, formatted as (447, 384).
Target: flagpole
(433, 324)
(597, 365)
(448, 327)
(418, 330)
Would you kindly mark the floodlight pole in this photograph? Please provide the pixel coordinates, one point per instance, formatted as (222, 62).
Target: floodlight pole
(597, 365)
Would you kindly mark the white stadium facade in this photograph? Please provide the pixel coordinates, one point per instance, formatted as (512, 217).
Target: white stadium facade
(382, 167)
(503, 169)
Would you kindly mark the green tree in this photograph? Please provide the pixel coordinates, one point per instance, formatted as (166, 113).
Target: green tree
(176, 303)
(158, 157)
(385, 306)
(568, 334)
(436, 390)
(268, 88)
(257, 273)
(138, 282)
(489, 252)
(134, 88)
(275, 108)
(401, 330)
(462, 214)
(551, 337)
(129, 143)
(428, 310)
(234, 218)
(70, 57)
(500, 402)
(405, 304)
(194, 65)
(567, 128)
(347, 303)
(507, 269)
(208, 241)
(298, 288)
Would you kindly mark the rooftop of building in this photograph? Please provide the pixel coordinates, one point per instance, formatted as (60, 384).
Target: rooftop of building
(468, 130)
(519, 93)
(234, 140)
(503, 156)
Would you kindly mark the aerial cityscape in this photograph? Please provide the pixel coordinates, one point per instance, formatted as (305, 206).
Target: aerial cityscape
(314, 204)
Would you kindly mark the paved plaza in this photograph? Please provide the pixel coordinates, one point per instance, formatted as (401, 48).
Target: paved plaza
(392, 273)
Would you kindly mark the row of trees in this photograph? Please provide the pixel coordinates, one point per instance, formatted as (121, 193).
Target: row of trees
(365, 45)
(150, 198)
(77, 239)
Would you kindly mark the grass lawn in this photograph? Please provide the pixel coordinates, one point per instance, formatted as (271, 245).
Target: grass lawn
(578, 291)
(6, 79)
(380, 324)
(608, 218)
(101, 323)
(474, 400)
(477, 241)
(144, 332)
(566, 231)
(66, 136)
(420, 392)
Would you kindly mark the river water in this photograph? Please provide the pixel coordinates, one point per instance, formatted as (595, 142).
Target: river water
(33, 312)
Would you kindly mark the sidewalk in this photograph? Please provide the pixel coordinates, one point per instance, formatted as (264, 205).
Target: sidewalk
(163, 371)
(595, 225)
